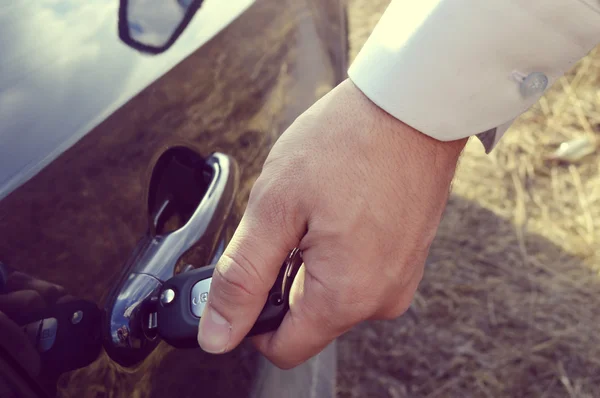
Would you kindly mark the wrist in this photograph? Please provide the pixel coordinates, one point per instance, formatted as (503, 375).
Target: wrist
(426, 151)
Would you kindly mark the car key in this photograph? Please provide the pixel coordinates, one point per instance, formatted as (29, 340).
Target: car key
(183, 298)
(66, 335)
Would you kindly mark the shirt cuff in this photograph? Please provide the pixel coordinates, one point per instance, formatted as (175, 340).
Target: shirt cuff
(457, 68)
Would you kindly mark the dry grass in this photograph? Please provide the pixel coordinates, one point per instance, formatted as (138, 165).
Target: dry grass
(509, 303)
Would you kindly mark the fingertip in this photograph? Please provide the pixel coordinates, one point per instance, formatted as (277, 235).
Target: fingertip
(288, 347)
(214, 332)
(264, 345)
(262, 341)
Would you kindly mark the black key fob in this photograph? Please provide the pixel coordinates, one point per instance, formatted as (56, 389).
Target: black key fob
(183, 298)
(66, 336)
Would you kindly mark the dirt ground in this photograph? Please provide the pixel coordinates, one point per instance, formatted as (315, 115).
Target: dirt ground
(509, 303)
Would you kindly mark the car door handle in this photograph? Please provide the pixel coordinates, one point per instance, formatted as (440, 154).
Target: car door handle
(188, 204)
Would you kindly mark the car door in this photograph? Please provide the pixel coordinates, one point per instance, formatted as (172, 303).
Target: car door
(121, 167)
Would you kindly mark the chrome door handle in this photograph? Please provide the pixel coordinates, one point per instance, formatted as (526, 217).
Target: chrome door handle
(189, 203)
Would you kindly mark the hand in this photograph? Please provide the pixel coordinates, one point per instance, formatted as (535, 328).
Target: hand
(14, 341)
(361, 194)
(22, 296)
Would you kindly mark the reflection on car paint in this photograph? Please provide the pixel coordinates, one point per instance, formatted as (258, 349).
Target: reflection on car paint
(56, 84)
(154, 21)
(48, 331)
(194, 194)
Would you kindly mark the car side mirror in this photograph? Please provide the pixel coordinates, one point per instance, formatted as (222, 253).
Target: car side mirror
(152, 26)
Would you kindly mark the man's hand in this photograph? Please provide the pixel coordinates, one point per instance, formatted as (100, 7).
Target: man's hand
(361, 194)
(23, 295)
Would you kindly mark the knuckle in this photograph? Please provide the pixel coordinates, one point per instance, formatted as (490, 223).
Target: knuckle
(275, 202)
(236, 279)
(32, 299)
(278, 359)
(283, 364)
(331, 307)
(399, 300)
(52, 292)
(395, 311)
(247, 266)
(18, 278)
(277, 352)
(287, 365)
(270, 201)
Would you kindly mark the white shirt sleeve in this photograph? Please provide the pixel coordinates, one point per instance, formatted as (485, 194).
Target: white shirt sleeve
(457, 68)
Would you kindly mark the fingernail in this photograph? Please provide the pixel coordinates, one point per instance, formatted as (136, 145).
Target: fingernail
(214, 332)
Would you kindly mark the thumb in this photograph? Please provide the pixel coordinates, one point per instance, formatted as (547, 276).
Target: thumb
(247, 270)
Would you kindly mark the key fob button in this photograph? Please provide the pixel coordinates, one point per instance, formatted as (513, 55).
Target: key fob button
(177, 314)
(47, 334)
(42, 334)
(199, 296)
(167, 297)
